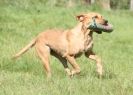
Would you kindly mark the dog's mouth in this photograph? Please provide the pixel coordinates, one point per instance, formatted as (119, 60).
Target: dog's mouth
(103, 28)
(99, 28)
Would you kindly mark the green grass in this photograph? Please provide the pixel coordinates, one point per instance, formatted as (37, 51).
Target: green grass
(25, 76)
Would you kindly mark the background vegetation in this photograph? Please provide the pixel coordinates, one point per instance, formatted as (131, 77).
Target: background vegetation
(22, 20)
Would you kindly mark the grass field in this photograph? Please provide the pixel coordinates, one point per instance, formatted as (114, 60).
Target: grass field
(25, 76)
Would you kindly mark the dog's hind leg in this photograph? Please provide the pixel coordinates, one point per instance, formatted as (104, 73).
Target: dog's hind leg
(93, 56)
(44, 53)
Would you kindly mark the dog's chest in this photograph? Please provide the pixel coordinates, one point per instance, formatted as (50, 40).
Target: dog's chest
(81, 43)
(76, 44)
(88, 41)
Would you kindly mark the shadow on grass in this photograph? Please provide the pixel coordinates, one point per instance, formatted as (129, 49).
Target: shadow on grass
(35, 68)
(106, 75)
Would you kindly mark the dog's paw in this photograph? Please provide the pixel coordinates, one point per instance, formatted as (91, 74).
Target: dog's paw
(74, 72)
(68, 71)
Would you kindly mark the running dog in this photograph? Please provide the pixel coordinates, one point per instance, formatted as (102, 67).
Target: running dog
(67, 45)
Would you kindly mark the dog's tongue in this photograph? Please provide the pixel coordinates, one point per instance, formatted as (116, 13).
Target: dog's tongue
(106, 28)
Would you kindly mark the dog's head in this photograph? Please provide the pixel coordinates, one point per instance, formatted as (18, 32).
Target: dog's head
(87, 19)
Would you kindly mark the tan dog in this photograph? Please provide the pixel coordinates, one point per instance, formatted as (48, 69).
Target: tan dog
(67, 45)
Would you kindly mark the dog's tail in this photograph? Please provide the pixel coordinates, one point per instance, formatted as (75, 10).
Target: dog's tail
(26, 48)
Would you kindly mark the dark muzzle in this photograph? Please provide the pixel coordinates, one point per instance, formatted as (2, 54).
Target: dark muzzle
(100, 27)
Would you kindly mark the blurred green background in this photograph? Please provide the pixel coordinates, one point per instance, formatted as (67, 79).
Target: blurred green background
(22, 20)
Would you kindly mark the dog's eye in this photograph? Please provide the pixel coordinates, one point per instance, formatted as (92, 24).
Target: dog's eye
(95, 16)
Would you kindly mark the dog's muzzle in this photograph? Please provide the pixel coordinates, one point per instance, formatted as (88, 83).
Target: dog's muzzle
(99, 28)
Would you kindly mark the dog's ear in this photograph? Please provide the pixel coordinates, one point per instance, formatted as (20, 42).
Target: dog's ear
(80, 17)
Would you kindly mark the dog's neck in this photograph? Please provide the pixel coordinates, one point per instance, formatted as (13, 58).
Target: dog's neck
(78, 28)
(81, 29)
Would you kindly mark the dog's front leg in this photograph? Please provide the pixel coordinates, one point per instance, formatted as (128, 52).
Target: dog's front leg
(64, 62)
(72, 61)
(93, 56)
